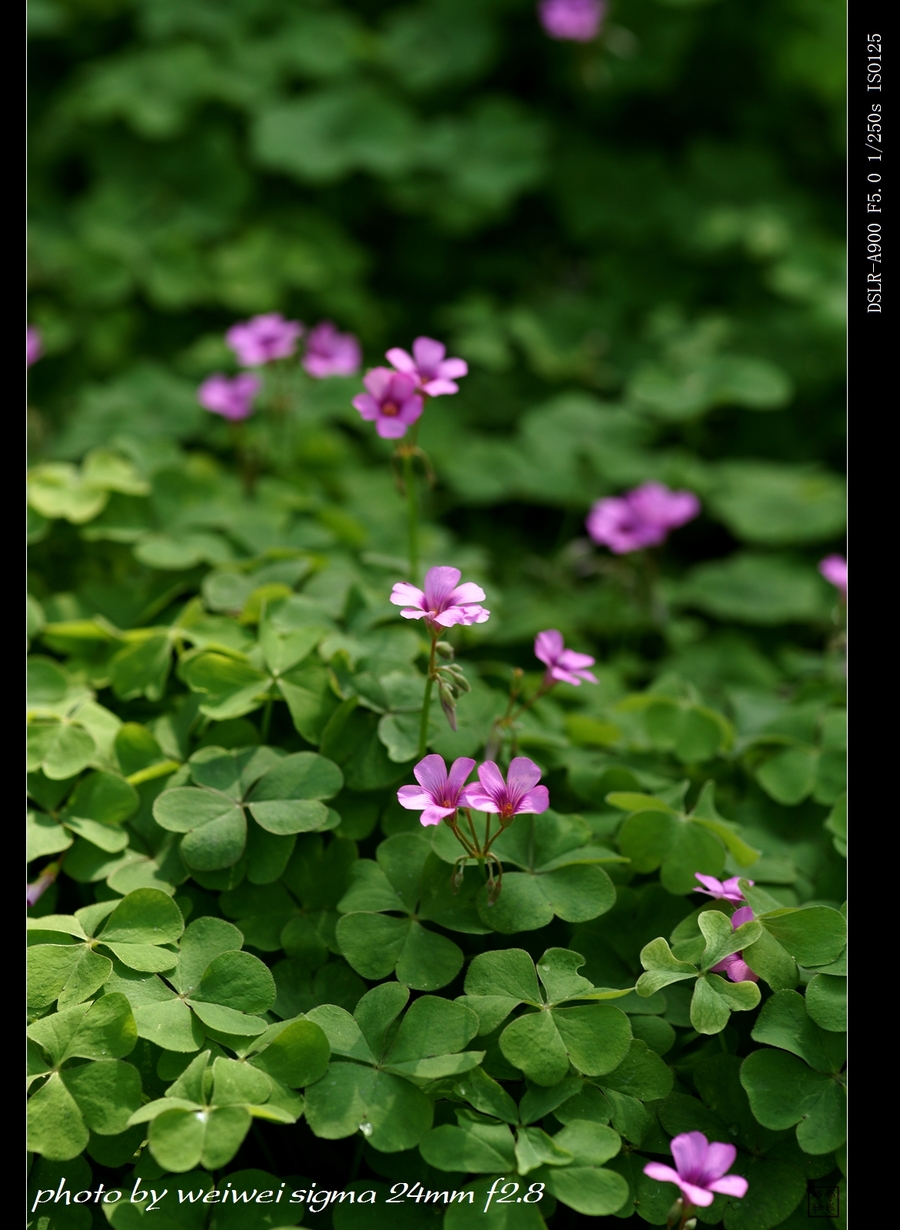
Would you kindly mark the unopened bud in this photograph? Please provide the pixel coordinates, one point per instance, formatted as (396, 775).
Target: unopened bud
(448, 704)
(675, 1213)
(494, 891)
(444, 649)
(461, 681)
(691, 1224)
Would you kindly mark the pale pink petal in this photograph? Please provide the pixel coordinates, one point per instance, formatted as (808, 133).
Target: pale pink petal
(744, 914)
(467, 592)
(724, 966)
(491, 778)
(452, 616)
(404, 592)
(711, 886)
(431, 774)
(390, 428)
(400, 387)
(662, 1173)
(459, 773)
(719, 1160)
(536, 801)
(450, 369)
(564, 676)
(366, 404)
(410, 410)
(697, 1195)
(574, 661)
(438, 387)
(413, 798)
(413, 613)
(440, 583)
(689, 1150)
(401, 359)
(474, 796)
(522, 775)
(548, 646)
(428, 354)
(377, 380)
(740, 971)
(434, 815)
(730, 1185)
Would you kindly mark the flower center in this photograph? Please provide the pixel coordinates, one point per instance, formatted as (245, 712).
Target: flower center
(507, 809)
(391, 409)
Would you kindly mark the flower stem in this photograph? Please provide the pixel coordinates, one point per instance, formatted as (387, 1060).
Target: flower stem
(426, 700)
(409, 481)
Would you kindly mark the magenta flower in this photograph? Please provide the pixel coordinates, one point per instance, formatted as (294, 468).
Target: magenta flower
(578, 21)
(232, 398)
(519, 793)
(834, 569)
(432, 372)
(443, 602)
(701, 1168)
(329, 353)
(734, 964)
(263, 338)
(439, 793)
(721, 890)
(640, 518)
(391, 402)
(563, 665)
(36, 890)
(34, 347)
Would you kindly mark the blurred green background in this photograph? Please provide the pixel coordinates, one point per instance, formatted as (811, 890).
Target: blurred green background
(637, 244)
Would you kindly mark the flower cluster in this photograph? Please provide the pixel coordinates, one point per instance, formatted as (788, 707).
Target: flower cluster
(563, 665)
(266, 338)
(720, 890)
(641, 518)
(576, 21)
(440, 794)
(443, 602)
(394, 397)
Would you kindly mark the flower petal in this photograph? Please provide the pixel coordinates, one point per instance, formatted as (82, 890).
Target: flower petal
(535, 801)
(434, 815)
(410, 410)
(401, 359)
(662, 1173)
(492, 779)
(548, 646)
(377, 380)
(719, 1160)
(458, 775)
(730, 1185)
(478, 798)
(522, 775)
(450, 369)
(410, 612)
(428, 354)
(440, 583)
(697, 1195)
(390, 428)
(366, 404)
(689, 1150)
(403, 592)
(574, 661)
(437, 388)
(710, 884)
(431, 774)
(744, 914)
(466, 593)
(413, 798)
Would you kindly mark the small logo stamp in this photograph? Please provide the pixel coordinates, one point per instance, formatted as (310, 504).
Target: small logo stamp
(822, 1201)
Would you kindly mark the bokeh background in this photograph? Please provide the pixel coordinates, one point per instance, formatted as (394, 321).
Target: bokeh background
(636, 243)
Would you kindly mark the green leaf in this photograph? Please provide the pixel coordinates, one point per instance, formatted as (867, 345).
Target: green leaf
(146, 916)
(55, 1125)
(641, 1074)
(236, 980)
(774, 964)
(375, 945)
(790, 775)
(303, 775)
(785, 1022)
(182, 1139)
(714, 1000)
(595, 1038)
(203, 940)
(783, 1091)
(662, 968)
(471, 1147)
(170, 1024)
(826, 1001)
(295, 1053)
(106, 1092)
(594, 1191)
(509, 974)
(392, 1114)
(61, 751)
(102, 1030)
(217, 843)
(487, 1096)
(141, 668)
(103, 798)
(44, 836)
(287, 816)
(310, 700)
(813, 936)
(721, 939)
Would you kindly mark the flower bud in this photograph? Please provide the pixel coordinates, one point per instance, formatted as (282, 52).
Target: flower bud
(690, 1224)
(675, 1212)
(448, 704)
(444, 649)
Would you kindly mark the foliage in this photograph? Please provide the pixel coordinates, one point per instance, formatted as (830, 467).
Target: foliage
(248, 946)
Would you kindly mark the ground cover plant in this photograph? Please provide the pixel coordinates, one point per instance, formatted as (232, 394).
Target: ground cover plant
(436, 616)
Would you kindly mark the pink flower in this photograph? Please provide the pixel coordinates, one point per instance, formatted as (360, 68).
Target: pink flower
(576, 20)
(734, 964)
(432, 372)
(329, 353)
(391, 402)
(640, 518)
(563, 665)
(519, 793)
(438, 794)
(834, 569)
(36, 890)
(701, 1168)
(263, 338)
(721, 890)
(443, 602)
(232, 398)
(34, 347)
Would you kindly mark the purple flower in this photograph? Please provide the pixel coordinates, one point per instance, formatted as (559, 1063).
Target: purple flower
(232, 398)
(576, 20)
(433, 373)
(734, 964)
(701, 1168)
(640, 518)
(329, 353)
(263, 338)
(834, 569)
(36, 890)
(443, 602)
(721, 890)
(391, 402)
(563, 665)
(519, 793)
(34, 347)
(438, 794)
